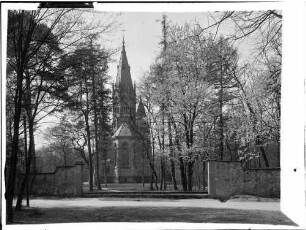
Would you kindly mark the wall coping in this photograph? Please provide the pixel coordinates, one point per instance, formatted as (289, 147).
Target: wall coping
(264, 169)
(223, 161)
(123, 137)
(49, 173)
(244, 168)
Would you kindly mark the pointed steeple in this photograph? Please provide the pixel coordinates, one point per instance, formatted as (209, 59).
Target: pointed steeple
(141, 110)
(123, 78)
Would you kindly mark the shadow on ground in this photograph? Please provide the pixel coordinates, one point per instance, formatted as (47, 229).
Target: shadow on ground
(150, 214)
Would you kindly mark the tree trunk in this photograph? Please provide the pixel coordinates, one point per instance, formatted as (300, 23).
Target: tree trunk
(162, 176)
(263, 153)
(151, 182)
(172, 165)
(151, 166)
(181, 161)
(278, 148)
(183, 174)
(10, 186)
(28, 167)
(229, 148)
(26, 155)
(65, 156)
(87, 127)
(96, 131)
(105, 167)
(89, 153)
(31, 152)
(189, 174)
(163, 160)
(153, 153)
(221, 123)
(165, 181)
(204, 179)
(153, 161)
(143, 171)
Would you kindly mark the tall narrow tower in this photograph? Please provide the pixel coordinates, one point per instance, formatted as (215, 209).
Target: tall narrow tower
(130, 131)
(124, 95)
(127, 155)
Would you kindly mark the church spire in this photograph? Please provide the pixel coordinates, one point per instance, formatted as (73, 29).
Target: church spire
(123, 78)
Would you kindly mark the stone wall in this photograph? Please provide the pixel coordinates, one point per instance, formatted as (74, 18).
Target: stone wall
(65, 180)
(226, 178)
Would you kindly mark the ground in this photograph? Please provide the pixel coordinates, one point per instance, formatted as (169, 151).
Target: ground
(69, 210)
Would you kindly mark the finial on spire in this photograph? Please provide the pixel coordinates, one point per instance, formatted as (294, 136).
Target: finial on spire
(123, 41)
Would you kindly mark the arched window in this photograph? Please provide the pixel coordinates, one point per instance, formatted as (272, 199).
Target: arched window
(125, 156)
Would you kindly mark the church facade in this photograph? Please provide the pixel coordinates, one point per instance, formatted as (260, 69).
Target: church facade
(131, 138)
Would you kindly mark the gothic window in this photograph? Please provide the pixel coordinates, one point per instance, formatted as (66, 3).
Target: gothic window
(107, 169)
(116, 151)
(134, 156)
(125, 109)
(125, 156)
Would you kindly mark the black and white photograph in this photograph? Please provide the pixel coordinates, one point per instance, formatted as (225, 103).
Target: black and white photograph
(152, 116)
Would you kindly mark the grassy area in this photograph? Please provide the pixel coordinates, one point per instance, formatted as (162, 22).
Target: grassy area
(149, 214)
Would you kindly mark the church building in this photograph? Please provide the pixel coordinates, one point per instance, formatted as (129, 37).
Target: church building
(131, 138)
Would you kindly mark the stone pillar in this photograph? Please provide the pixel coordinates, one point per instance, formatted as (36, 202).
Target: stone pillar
(116, 179)
(78, 177)
(117, 162)
(211, 165)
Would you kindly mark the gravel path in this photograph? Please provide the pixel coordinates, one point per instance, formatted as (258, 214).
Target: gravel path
(80, 210)
(147, 202)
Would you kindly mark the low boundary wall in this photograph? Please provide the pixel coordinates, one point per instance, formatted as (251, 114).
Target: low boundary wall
(65, 180)
(226, 178)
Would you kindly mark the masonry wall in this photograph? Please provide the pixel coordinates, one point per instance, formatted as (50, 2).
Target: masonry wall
(226, 178)
(65, 180)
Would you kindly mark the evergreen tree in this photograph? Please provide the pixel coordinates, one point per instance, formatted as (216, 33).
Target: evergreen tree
(89, 99)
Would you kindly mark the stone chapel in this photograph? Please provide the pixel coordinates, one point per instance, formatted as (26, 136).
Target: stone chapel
(131, 138)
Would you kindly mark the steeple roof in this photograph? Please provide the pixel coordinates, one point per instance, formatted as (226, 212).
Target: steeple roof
(123, 78)
(123, 131)
(140, 110)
